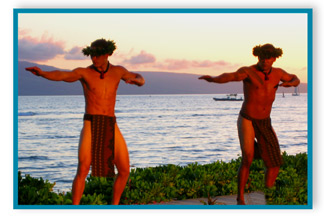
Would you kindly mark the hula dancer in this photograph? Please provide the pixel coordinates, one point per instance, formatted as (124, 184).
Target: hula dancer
(101, 143)
(260, 83)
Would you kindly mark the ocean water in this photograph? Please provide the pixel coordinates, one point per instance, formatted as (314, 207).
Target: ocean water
(158, 129)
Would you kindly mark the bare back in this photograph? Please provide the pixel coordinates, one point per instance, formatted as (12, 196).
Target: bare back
(258, 98)
(100, 94)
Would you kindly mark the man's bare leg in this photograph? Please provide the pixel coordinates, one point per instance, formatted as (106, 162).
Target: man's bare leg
(122, 164)
(83, 164)
(246, 137)
(243, 176)
(271, 176)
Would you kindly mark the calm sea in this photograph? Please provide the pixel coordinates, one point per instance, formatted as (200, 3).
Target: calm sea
(159, 129)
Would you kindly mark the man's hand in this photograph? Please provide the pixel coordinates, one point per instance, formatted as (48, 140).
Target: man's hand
(207, 78)
(35, 70)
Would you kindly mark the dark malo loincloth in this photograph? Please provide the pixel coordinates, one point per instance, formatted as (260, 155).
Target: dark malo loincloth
(267, 144)
(102, 144)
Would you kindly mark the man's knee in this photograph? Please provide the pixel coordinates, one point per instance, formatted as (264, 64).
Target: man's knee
(273, 171)
(124, 171)
(83, 170)
(247, 160)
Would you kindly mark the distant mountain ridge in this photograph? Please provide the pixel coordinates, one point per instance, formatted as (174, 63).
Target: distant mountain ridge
(156, 83)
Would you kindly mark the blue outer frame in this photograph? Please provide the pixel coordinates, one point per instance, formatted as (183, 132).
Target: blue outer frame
(307, 11)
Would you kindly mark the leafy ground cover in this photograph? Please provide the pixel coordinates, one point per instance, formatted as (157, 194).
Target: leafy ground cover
(170, 182)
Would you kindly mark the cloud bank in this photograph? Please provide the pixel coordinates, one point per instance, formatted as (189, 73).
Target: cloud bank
(176, 64)
(75, 54)
(46, 48)
(142, 58)
(31, 50)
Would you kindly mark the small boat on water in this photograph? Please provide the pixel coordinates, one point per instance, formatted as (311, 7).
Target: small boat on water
(296, 93)
(229, 97)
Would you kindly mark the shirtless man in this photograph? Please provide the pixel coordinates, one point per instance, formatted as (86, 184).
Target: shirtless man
(260, 83)
(100, 82)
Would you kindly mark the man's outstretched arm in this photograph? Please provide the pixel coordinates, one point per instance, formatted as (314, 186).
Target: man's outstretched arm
(136, 80)
(133, 78)
(239, 75)
(66, 76)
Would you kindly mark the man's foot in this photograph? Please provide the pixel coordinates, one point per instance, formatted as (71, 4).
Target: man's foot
(240, 202)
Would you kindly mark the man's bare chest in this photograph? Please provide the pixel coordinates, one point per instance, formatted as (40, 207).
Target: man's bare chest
(268, 87)
(97, 85)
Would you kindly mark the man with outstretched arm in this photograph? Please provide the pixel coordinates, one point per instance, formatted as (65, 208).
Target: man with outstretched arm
(260, 83)
(101, 143)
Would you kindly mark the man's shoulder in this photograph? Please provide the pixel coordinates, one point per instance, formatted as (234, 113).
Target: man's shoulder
(82, 69)
(118, 69)
(278, 71)
(246, 68)
(252, 67)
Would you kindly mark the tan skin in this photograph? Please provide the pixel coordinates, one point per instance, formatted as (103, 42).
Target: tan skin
(100, 98)
(259, 94)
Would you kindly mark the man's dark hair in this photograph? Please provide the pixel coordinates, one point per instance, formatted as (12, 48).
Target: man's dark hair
(100, 47)
(267, 51)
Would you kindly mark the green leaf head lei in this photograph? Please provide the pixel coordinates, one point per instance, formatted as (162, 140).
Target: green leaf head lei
(100, 47)
(267, 51)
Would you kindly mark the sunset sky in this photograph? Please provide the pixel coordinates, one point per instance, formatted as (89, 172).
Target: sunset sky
(197, 43)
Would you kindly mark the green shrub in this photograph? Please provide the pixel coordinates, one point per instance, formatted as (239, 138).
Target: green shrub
(32, 191)
(291, 183)
(169, 182)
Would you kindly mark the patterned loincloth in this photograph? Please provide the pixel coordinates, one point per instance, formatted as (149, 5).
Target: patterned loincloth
(102, 144)
(267, 144)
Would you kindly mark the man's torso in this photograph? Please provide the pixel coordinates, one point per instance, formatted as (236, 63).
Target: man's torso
(100, 94)
(258, 98)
